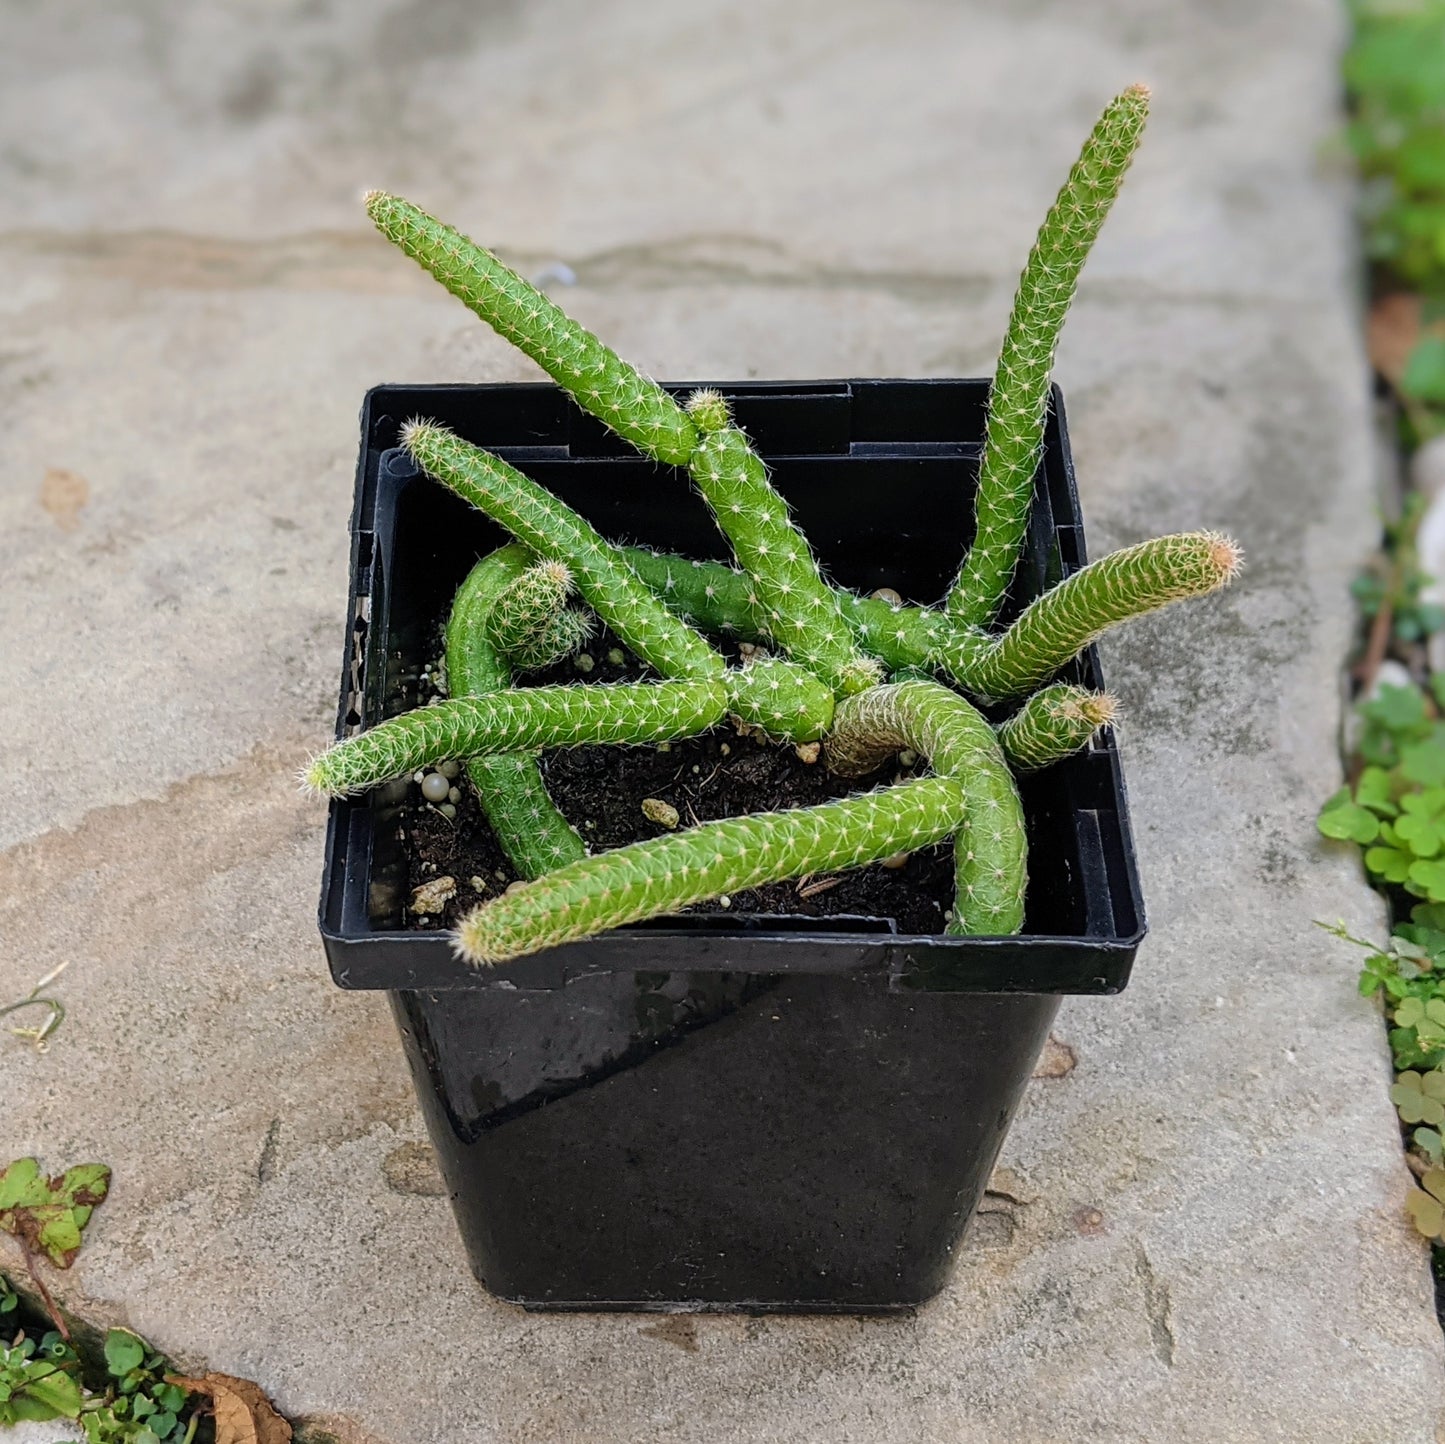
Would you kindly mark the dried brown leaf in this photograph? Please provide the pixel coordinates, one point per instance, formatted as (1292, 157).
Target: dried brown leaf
(1391, 332)
(244, 1415)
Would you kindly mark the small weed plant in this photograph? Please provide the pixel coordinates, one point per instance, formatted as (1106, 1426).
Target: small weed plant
(1395, 812)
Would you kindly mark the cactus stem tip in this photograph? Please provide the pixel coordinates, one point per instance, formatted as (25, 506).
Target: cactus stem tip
(468, 941)
(1226, 554)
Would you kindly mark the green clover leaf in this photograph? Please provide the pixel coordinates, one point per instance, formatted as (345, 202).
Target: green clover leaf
(1389, 860)
(1344, 820)
(124, 1351)
(1426, 1205)
(1426, 878)
(1422, 823)
(1373, 791)
(1424, 762)
(1431, 1144)
(1420, 1098)
(1427, 1018)
(1401, 710)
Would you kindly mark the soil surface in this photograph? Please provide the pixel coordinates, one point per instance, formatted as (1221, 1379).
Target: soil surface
(723, 773)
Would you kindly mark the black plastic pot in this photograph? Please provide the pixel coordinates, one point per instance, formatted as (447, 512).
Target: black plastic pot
(722, 1112)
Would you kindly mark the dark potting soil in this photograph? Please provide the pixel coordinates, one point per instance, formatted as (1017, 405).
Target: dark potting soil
(722, 773)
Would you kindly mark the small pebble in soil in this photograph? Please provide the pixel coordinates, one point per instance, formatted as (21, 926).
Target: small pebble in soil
(724, 749)
(432, 897)
(664, 746)
(516, 886)
(899, 859)
(664, 814)
(907, 757)
(809, 751)
(448, 810)
(616, 656)
(450, 770)
(724, 901)
(887, 594)
(454, 795)
(583, 662)
(434, 787)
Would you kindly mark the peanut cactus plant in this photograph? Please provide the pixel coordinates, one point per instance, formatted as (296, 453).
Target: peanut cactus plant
(865, 677)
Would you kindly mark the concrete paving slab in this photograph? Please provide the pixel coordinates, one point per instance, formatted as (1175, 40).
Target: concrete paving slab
(1202, 1236)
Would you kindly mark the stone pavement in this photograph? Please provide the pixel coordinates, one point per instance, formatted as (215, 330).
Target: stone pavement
(1206, 1242)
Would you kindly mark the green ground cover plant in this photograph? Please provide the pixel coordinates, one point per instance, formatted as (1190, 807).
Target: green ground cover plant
(1395, 812)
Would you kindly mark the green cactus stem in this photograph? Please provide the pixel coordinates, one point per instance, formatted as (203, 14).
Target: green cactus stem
(723, 601)
(524, 608)
(553, 530)
(664, 874)
(1061, 623)
(782, 698)
(989, 848)
(530, 623)
(1054, 724)
(1018, 400)
(598, 379)
(715, 598)
(503, 595)
(557, 638)
(972, 798)
(800, 609)
(518, 721)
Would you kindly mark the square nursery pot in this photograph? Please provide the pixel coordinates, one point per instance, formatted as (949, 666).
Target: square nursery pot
(719, 1111)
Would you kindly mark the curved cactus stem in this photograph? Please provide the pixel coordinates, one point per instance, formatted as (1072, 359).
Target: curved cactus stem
(1018, 400)
(973, 798)
(711, 596)
(1062, 622)
(782, 698)
(529, 827)
(554, 530)
(660, 876)
(1054, 724)
(518, 721)
(989, 848)
(800, 609)
(598, 379)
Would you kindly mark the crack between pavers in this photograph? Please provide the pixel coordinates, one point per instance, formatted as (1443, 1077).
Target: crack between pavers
(337, 260)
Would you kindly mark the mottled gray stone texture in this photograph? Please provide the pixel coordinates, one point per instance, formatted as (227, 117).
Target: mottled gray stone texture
(1206, 1241)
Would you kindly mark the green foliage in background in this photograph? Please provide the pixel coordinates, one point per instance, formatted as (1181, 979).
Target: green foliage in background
(1396, 809)
(1395, 75)
(40, 1380)
(1395, 579)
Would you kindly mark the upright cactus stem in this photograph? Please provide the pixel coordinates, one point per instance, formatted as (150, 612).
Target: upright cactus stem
(554, 530)
(1018, 401)
(598, 379)
(800, 610)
